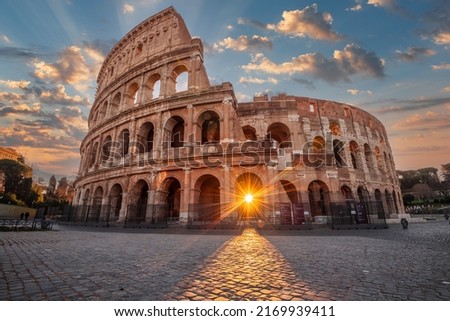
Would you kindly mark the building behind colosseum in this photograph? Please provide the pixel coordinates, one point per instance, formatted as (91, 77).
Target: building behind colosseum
(166, 146)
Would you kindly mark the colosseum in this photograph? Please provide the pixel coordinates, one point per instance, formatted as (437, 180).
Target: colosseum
(164, 146)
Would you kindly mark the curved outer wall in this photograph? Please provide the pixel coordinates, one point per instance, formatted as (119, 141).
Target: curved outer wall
(164, 145)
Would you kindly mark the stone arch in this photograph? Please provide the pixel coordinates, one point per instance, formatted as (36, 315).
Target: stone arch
(146, 137)
(280, 134)
(368, 156)
(354, 154)
(209, 122)
(317, 152)
(291, 191)
(115, 202)
(319, 198)
(103, 112)
(249, 183)
(379, 203)
(174, 132)
(124, 143)
(132, 95)
(338, 152)
(154, 86)
(170, 199)
(93, 155)
(379, 158)
(94, 212)
(347, 193)
(363, 195)
(208, 197)
(335, 128)
(180, 75)
(138, 199)
(106, 148)
(249, 133)
(115, 104)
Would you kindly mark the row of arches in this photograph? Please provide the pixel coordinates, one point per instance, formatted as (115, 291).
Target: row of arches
(135, 94)
(147, 137)
(144, 203)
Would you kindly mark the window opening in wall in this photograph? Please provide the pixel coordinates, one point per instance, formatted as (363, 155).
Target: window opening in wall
(311, 108)
(156, 89)
(182, 82)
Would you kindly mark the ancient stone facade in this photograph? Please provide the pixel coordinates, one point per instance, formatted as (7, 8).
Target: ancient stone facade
(165, 145)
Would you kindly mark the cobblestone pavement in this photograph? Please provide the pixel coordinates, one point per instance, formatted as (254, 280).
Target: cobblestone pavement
(74, 264)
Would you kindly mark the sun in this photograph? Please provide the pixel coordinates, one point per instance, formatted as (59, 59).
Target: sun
(248, 198)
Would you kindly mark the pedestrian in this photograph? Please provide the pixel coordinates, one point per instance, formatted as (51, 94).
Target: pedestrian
(21, 216)
(27, 215)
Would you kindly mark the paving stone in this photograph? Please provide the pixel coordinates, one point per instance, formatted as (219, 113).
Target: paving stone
(89, 264)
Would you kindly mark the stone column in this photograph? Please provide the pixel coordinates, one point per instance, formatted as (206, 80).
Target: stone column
(123, 208)
(225, 193)
(185, 196)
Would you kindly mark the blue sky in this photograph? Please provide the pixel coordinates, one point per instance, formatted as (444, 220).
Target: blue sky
(389, 57)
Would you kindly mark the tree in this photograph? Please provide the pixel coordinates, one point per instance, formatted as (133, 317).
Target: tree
(18, 180)
(51, 189)
(444, 183)
(61, 191)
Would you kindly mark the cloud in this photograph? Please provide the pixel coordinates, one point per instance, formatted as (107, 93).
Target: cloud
(58, 96)
(243, 43)
(14, 84)
(356, 7)
(406, 105)
(15, 53)
(253, 80)
(414, 53)
(75, 66)
(423, 122)
(5, 39)
(307, 23)
(441, 67)
(128, 8)
(249, 22)
(308, 84)
(446, 90)
(355, 92)
(437, 23)
(352, 60)
(382, 3)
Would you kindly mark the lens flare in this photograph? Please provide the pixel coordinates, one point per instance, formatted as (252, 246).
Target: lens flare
(249, 198)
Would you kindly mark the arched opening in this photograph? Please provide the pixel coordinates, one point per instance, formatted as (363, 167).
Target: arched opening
(209, 198)
(379, 203)
(115, 104)
(102, 112)
(171, 200)
(379, 158)
(93, 155)
(137, 209)
(106, 148)
(181, 79)
(146, 137)
(249, 133)
(291, 191)
(338, 151)
(368, 156)
(154, 86)
(362, 208)
(133, 95)
(209, 121)
(124, 143)
(354, 150)
(347, 193)
(115, 202)
(174, 132)
(335, 128)
(319, 198)
(280, 135)
(94, 213)
(317, 152)
(249, 195)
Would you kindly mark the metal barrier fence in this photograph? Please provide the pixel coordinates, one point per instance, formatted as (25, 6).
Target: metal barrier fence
(277, 215)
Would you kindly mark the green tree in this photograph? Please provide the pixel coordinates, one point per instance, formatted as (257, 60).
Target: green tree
(51, 189)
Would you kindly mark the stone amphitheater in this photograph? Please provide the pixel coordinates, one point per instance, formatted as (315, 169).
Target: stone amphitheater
(164, 145)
